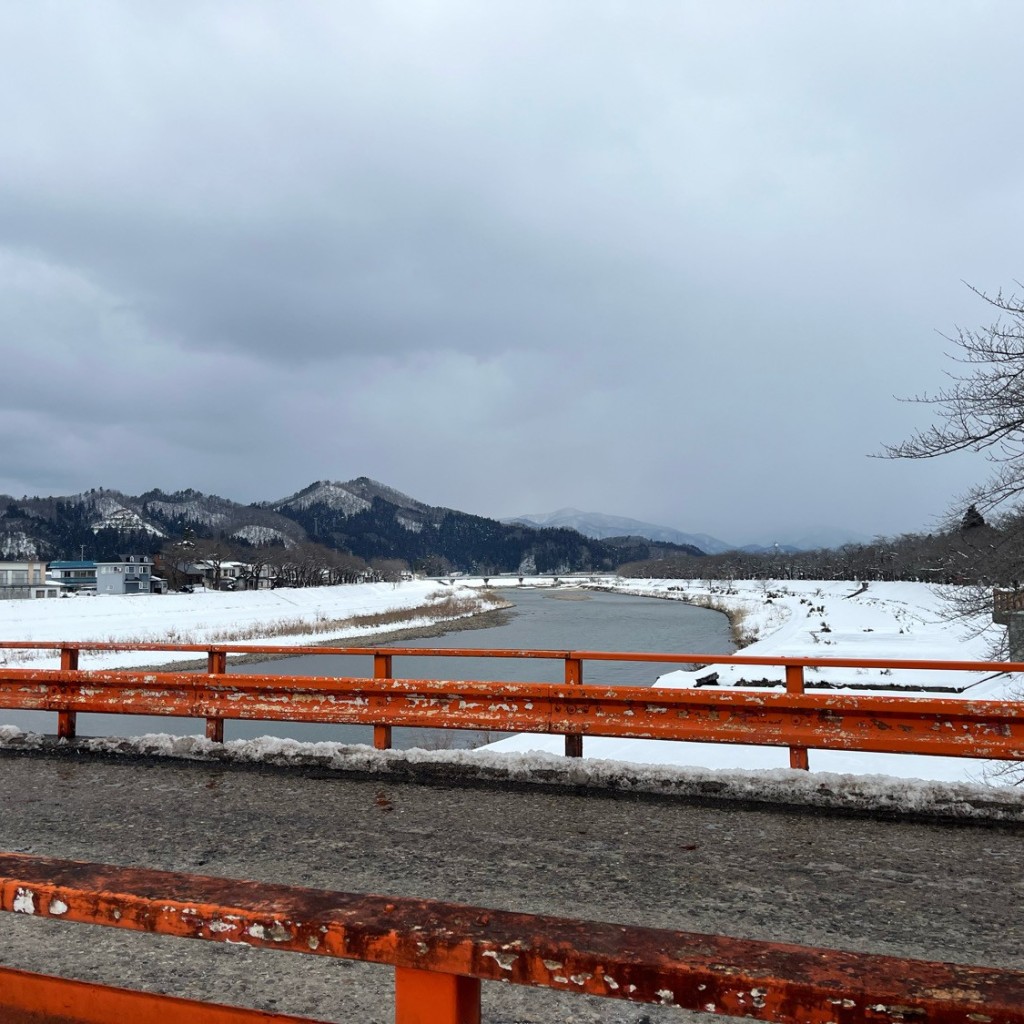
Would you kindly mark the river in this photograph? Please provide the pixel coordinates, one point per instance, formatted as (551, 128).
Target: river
(542, 619)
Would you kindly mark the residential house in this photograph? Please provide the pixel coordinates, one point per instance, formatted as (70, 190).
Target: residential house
(24, 580)
(246, 576)
(208, 574)
(131, 574)
(262, 578)
(228, 575)
(73, 576)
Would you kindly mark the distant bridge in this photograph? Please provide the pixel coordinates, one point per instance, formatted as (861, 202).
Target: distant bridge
(523, 579)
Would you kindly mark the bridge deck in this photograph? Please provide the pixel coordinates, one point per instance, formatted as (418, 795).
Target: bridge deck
(930, 891)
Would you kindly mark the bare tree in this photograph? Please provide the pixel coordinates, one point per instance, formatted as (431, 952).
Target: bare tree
(257, 562)
(174, 561)
(212, 554)
(982, 408)
(313, 565)
(346, 568)
(388, 570)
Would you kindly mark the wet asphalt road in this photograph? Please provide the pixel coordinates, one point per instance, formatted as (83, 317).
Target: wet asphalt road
(934, 891)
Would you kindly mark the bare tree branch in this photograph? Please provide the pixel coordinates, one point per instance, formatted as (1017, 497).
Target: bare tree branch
(982, 410)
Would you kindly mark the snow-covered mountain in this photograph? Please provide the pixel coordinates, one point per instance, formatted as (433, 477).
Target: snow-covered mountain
(350, 498)
(599, 525)
(373, 520)
(331, 495)
(360, 516)
(99, 521)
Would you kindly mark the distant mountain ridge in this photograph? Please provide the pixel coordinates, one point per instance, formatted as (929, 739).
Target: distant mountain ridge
(602, 526)
(361, 517)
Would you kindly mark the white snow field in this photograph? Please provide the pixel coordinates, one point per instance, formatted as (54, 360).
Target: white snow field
(820, 619)
(287, 616)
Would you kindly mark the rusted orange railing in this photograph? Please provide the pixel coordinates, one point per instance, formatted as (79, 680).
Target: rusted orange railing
(794, 718)
(32, 998)
(441, 952)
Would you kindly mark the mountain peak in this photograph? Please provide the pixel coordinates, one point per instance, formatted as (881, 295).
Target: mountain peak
(351, 497)
(326, 492)
(368, 489)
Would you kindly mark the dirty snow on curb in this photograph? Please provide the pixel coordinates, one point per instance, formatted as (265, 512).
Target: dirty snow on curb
(780, 786)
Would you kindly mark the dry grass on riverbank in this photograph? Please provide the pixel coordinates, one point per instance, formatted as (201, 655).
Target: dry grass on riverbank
(442, 609)
(446, 607)
(742, 636)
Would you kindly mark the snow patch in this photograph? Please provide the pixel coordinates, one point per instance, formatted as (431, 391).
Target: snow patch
(17, 545)
(332, 495)
(262, 535)
(191, 511)
(125, 519)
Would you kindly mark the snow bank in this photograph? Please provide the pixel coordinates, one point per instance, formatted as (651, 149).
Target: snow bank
(818, 619)
(289, 617)
(819, 790)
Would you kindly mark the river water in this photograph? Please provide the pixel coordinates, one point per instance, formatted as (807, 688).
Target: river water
(542, 619)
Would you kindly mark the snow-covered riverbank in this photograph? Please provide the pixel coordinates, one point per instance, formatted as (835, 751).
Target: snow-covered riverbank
(902, 621)
(838, 619)
(299, 617)
(818, 619)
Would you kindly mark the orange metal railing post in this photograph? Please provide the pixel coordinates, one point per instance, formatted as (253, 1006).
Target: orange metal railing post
(795, 684)
(67, 721)
(573, 677)
(381, 670)
(429, 997)
(926, 725)
(216, 664)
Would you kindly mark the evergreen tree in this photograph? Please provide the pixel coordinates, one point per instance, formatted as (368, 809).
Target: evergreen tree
(972, 519)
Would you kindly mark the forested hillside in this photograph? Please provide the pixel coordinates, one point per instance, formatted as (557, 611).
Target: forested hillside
(361, 518)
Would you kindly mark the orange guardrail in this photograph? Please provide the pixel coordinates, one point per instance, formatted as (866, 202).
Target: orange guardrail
(27, 997)
(944, 726)
(441, 952)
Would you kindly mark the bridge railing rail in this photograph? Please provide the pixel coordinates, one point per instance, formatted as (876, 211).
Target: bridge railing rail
(441, 952)
(791, 717)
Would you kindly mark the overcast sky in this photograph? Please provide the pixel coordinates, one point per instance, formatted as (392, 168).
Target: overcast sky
(668, 260)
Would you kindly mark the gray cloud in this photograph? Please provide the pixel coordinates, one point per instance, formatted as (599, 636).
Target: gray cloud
(668, 260)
